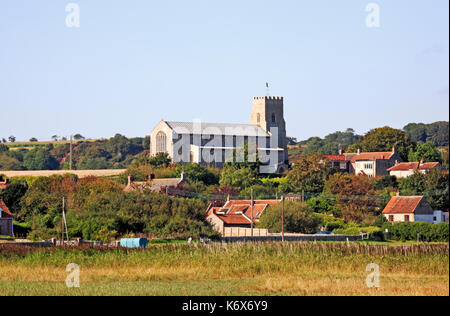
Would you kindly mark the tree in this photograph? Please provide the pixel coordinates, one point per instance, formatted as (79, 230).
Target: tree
(3, 148)
(12, 139)
(197, 173)
(4, 140)
(331, 144)
(445, 157)
(323, 204)
(426, 151)
(308, 174)
(355, 197)
(384, 139)
(433, 185)
(13, 194)
(437, 133)
(238, 178)
(78, 137)
(10, 163)
(160, 160)
(55, 137)
(298, 218)
(40, 159)
(33, 140)
(146, 143)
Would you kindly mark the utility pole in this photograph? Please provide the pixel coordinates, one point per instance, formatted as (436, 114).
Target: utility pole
(282, 218)
(70, 163)
(62, 223)
(65, 224)
(251, 207)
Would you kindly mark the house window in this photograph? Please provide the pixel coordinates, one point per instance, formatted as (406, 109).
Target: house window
(368, 166)
(258, 118)
(391, 218)
(407, 218)
(161, 142)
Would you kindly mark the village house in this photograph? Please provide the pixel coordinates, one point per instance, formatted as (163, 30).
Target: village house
(236, 214)
(412, 209)
(371, 164)
(155, 185)
(6, 220)
(406, 169)
(216, 143)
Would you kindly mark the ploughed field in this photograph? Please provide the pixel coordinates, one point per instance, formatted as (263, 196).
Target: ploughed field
(251, 269)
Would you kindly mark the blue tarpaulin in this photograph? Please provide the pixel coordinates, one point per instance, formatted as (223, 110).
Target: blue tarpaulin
(134, 242)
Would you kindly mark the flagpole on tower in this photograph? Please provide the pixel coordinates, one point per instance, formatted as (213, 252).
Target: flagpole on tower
(267, 89)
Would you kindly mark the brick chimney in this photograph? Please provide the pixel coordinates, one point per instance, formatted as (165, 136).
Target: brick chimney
(422, 161)
(341, 151)
(398, 192)
(359, 151)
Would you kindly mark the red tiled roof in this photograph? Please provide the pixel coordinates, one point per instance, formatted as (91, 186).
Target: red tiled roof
(234, 219)
(255, 202)
(237, 212)
(405, 166)
(402, 204)
(361, 156)
(5, 211)
(336, 157)
(372, 156)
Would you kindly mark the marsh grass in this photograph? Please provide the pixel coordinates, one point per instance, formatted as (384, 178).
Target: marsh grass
(229, 269)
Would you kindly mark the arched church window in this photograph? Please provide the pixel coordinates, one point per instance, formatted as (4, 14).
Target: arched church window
(161, 142)
(258, 118)
(274, 120)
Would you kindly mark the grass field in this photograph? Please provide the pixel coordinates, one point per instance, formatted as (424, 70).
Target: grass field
(229, 269)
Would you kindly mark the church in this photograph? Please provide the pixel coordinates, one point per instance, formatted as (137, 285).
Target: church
(214, 144)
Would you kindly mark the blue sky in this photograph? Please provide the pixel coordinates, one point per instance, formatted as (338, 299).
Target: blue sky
(133, 63)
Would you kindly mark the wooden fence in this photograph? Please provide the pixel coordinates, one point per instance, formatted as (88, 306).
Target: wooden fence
(244, 232)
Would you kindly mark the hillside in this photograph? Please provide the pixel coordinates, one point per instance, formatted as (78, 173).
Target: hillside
(114, 153)
(119, 152)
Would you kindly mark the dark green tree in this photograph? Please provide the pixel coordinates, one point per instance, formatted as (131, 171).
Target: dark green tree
(384, 139)
(426, 151)
(298, 218)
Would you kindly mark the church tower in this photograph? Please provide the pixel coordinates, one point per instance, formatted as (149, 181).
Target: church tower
(268, 113)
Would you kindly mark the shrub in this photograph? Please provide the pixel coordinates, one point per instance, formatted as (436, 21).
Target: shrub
(427, 232)
(298, 218)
